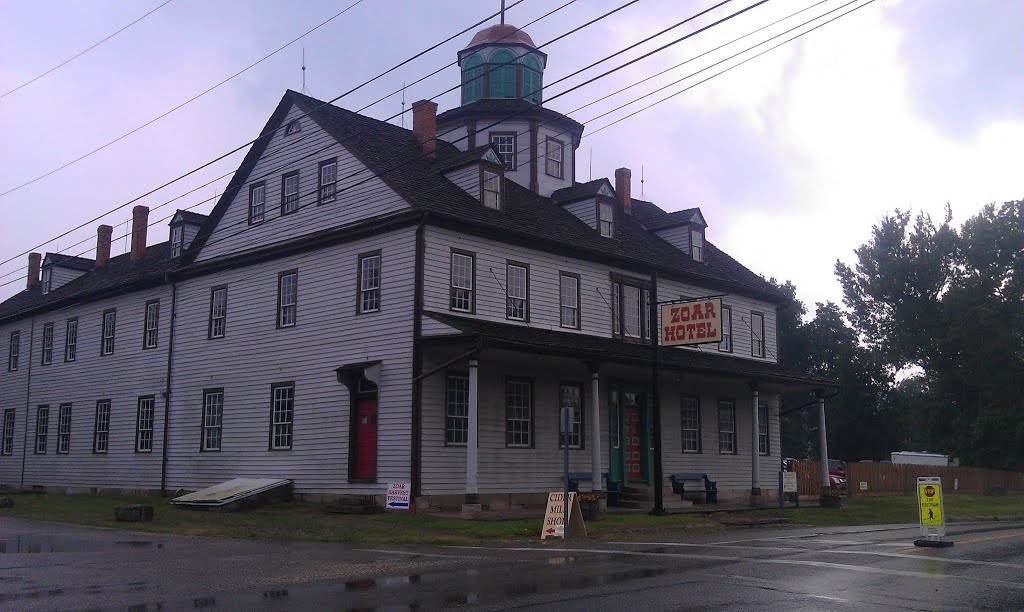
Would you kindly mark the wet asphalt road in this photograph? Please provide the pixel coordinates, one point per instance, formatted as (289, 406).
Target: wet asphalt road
(45, 566)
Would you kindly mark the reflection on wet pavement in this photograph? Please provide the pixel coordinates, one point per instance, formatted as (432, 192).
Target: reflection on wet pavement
(57, 544)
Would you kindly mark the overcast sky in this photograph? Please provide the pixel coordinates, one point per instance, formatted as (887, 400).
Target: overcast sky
(791, 157)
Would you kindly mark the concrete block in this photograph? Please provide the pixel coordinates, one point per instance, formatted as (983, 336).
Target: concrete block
(471, 511)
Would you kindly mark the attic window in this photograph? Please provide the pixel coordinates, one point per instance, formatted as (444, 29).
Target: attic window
(490, 188)
(176, 240)
(293, 128)
(697, 245)
(47, 279)
(606, 219)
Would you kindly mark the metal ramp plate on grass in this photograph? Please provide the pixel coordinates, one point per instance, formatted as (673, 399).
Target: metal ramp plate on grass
(233, 491)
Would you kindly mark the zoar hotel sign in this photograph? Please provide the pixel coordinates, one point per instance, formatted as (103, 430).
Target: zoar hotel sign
(696, 322)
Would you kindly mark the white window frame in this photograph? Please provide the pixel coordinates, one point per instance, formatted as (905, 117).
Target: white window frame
(518, 413)
(606, 219)
(213, 420)
(47, 279)
(370, 273)
(490, 188)
(257, 203)
(7, 442)
(327, 182)
(689, 416)
(145, 418)
(151, 327)
(42, 429)
(218, 312)
(517, 307)
(64, 429)
(70, 340)
(456, 411)
(177, 240)
(462, 297)
(287, 298)
(554, 157)
(569, 300)
(576, 436)
(757, 346)
(505, 143)
(616, 309)
(630, 306)
(725, 344)
(14, 352)
(282, 416)
(697, 244)
(109, 326)
(727, 427)
(101, 428)
(289, 193)
(764, 445)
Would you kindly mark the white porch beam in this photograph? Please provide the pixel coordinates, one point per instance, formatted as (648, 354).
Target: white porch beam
(595, 430)
(471, 439)
(755, 451)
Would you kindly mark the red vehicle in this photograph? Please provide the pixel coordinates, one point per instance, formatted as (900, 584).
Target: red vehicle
(837, 474)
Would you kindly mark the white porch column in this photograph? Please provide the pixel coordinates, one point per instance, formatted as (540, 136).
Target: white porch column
(823, 442)
(755, 454)
(595, 430)
(471, 438)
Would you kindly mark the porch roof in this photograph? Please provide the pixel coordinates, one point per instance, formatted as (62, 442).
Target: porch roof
(596, 348)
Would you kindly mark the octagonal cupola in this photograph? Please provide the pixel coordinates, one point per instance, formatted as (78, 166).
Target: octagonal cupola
(502, 62)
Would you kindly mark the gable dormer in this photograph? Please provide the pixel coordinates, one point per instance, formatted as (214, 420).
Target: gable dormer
(61, 269)
(683, 229)
(479, 172)
(184, 227)
(593, 203)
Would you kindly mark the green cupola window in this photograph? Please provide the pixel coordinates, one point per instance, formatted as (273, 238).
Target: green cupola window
(472, 78)
(502, 74)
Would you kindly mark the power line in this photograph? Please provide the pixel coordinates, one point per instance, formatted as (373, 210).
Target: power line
(83, 52)
(242, 146)
(179, 106)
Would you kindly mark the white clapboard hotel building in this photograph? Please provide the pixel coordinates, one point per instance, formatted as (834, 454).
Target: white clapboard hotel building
(369, 304)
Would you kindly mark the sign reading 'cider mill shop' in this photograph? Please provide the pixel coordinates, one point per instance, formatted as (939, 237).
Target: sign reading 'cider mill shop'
(695, 322)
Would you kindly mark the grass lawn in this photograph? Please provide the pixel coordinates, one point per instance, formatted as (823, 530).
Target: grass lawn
(308, 522)
(869, 510)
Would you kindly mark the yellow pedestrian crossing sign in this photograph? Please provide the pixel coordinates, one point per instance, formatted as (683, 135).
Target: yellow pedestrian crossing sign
(929, 503)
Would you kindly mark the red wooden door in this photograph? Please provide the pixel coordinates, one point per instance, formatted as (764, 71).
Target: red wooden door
(634, 448)
(366, 439)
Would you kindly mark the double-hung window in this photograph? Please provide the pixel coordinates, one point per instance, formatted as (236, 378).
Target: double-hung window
(107, 341)
(144, 424)
(7, 442)
(14, 352)
(42, 428)
(763, 447)
(606, 218)
(177, 240)
(101, 427)
(463, 281)
(456, 418)
(553, 149)
(505, 142)
(690, 416)
(725, 345)
(569, 300)
(518, 412)
(369, 282)
(47, 279)
(218, 312)
(757, 334)
(257, 203)
(213, 419)
(282, 413)
(64, 429)
(287, 298)
(517, 279)
(631, 306)
(327, 186)
(490, 188)
(151, 327)
(46, 358)
(290, 193)
(632, 313)
(71, 340)
(697, 244)
(726, 427)
(570, 396)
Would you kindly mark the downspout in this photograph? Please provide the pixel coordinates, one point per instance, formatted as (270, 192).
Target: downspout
(28, 399)
(167, 387)
(416, 458)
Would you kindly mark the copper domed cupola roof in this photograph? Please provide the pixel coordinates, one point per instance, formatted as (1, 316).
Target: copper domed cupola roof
(501, 33)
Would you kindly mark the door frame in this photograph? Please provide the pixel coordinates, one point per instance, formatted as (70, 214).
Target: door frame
(616, 456)
(360, 389)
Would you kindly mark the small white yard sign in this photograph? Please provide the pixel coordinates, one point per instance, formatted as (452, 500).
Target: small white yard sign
(398, 496)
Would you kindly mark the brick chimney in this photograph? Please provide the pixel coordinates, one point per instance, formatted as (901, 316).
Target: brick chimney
(103, 234)
(424, 124)
(33, 270)
(623, 185)
(140, 222)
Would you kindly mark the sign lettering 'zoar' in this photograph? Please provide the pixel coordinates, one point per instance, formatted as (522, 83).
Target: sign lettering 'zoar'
(696, 322)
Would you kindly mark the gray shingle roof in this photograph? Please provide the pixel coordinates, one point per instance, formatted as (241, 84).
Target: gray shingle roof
(70, 261)
(579, 191)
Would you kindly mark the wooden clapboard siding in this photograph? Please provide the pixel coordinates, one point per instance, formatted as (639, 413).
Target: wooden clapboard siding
(13, 392)
(59, 275)
(546, 183)
(585, 211)
(678, 236)
(467, 178)
(254, 354)
(303, 152)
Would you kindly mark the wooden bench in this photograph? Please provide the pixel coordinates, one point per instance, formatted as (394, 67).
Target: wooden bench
(710, 490)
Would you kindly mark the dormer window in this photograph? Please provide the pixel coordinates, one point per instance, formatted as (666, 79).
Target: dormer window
(490, 188)
(177, 240)
(697, 244)
(293, 128)
(606, 219)
(47, 279)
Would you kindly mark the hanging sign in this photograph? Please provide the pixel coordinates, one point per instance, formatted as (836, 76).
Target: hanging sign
(553, 517)
(694, 322)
